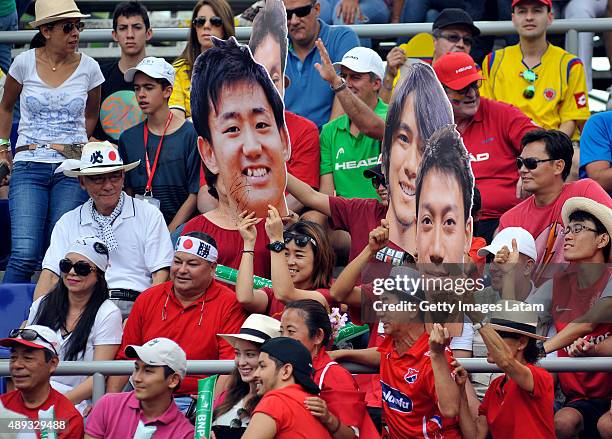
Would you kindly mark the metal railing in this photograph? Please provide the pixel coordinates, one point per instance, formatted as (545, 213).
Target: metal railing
(100, 369)
(571, 27)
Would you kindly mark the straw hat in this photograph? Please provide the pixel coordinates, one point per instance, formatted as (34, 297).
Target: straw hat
(257, 328)
(600, 211)
(512, 318)
(48, 11)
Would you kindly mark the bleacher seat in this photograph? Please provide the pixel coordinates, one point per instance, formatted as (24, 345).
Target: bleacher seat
(5, 234)
(15, 302)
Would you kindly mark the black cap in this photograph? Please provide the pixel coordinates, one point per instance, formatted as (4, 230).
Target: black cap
(290, 351)
(374, 171)
(455, 16)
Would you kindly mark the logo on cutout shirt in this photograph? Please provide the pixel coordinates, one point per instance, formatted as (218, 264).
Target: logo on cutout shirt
(411, 376)
(550, 94)
(581, 100)
(395, 399)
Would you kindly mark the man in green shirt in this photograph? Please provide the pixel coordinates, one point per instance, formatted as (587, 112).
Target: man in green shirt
(351, 143)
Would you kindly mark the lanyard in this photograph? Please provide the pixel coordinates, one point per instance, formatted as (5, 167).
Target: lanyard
(151, 171)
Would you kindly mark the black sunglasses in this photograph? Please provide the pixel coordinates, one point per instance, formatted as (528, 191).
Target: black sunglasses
(300, 240)
(81, 268)
(455, 38)
(301, 12)
(377, 181)
(29, 335)
(69, 26)
(530, 162)
(214, 21)
(465, 90)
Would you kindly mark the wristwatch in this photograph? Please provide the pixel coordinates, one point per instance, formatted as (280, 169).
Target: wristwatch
(276, 246)
(480, 324)
(541, 350)
(341, 87)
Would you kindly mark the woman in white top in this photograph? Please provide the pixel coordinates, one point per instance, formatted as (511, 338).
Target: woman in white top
(87, 323)
(59, 93)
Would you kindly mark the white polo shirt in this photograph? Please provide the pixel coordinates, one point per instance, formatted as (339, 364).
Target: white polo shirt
(140, 230)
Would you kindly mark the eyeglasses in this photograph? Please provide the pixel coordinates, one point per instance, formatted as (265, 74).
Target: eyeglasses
(69, 26)
(81, 268)
(377, 181)
(214, 21)
(577, 228)
(29, 335)
(301, 12)
(300, 239)
(455, 38)
(530, 76)
(115, 177)
(465, 90)
(530, 162)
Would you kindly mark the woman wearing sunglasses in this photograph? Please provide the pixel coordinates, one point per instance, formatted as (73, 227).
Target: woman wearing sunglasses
(59, 93)
(87, 323)
(234, 406)
(210, 18)
(302, 262)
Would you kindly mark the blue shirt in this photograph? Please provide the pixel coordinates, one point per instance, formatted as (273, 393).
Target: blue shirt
(596, 141)
(309, 95)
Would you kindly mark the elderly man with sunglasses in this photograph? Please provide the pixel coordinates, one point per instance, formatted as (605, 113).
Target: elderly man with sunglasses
(133, 230)
(544, 81)
(492, 133)
(33, 359)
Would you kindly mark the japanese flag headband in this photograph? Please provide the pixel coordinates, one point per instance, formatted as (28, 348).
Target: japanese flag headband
(197, 247)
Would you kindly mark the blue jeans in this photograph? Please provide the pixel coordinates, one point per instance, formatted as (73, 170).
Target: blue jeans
(374, 11)
(7, 22)
(37, 199)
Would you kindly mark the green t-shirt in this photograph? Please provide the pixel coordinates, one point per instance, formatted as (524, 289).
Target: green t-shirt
(7, 7)
(346, 156)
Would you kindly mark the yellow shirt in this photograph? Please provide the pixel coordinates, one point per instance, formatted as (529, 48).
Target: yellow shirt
(181, 92)
(560, 88)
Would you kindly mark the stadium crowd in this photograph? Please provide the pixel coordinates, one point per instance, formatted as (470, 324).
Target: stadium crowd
(127, 186)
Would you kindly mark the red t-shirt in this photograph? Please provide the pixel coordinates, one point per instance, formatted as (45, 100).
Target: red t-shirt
(64, 412)
(230, 244)
(409, 400)
(293, 419)
(305, 159)
(514, 413)
(493, 139)
(545, 223)
(357, 216)
(275, 307)
(569, 302)
(158, 313)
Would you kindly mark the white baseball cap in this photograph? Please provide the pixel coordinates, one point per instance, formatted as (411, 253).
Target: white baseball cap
(34, 336)
(160, 352)
(154, 67)
(93, 249)
(363, 60)
(525, 242)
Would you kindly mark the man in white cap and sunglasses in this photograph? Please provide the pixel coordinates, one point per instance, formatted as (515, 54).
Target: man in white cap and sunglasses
(34, 357)
(134, 231)
(159, 369)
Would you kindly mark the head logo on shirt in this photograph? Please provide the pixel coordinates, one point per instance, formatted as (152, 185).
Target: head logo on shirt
(581, 100)
(550, 94)
(411, 376)
(395, 399)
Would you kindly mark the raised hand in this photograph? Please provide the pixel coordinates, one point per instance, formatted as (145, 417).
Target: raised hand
(395, 59)
(274, 224)
(379, 237)
(507, 259)
(459, 373)
(246, 226)
(326, 69)
(439, 338)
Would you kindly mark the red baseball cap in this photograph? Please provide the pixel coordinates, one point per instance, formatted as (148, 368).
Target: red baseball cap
(544, 2)
(456, 70)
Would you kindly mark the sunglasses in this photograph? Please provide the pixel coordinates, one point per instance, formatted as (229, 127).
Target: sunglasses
(214, 21)
(530, 162)
(301, 12)
(455, 38)
(577, 228)
(81, 268)
(530, 76)
(29, 335)
(465, 90)
(377, 181)
(299, 239)
(69, 26)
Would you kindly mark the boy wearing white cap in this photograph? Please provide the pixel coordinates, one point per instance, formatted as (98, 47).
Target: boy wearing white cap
(34, 357)
(159, 369)
(168, 175)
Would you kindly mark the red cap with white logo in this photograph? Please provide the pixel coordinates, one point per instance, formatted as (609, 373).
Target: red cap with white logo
(544, 2)
(456, 70)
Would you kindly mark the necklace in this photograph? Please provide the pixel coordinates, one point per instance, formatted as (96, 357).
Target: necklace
(54, 68)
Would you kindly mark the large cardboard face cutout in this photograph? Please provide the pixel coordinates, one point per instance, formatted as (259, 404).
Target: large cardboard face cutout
(239, 116)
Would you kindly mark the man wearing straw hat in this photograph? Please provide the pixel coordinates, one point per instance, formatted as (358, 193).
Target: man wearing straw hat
(134, 231)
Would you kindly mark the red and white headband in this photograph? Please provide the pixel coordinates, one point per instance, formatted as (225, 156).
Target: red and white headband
(197, 247)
